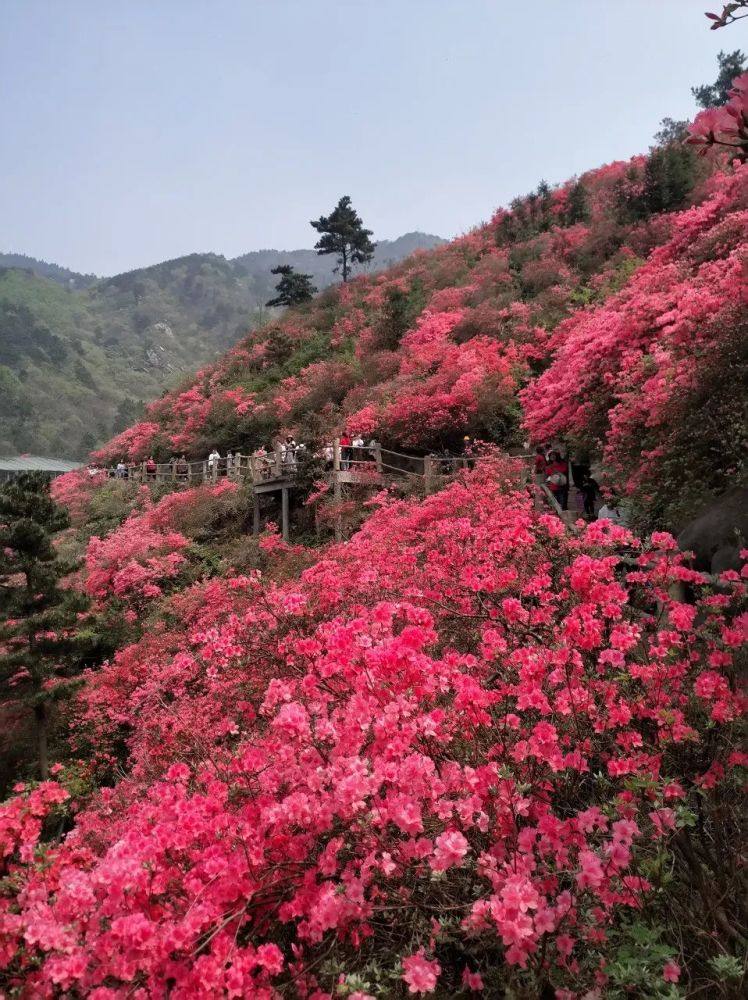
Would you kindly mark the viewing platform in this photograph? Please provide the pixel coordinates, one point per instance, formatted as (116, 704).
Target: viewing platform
(277, 472)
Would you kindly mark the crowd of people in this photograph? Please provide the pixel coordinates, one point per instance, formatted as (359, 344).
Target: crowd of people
(558, 470)
(554, 468)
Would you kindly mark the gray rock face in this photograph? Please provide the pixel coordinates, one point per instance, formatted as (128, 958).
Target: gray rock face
(718, 533)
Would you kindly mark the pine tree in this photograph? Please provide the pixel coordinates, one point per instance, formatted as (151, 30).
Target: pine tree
(343, 234)
(293, 288)
(731, 64)
(577, 206)
(41, 647)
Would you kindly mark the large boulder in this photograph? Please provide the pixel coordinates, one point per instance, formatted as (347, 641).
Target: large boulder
(718, 532)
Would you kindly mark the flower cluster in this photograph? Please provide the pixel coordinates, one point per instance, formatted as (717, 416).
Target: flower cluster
(726, 125)
(467, 762)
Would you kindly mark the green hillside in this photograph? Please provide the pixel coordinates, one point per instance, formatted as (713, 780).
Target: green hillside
(77, 363)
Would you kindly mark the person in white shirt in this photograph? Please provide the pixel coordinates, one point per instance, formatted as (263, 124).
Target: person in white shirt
(611, 511)
(213, 460)
(288, 452)
(357, 444)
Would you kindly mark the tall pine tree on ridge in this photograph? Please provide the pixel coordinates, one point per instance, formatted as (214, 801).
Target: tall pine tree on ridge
(342, 233)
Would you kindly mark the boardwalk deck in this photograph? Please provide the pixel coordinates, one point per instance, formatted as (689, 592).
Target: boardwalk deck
(276, 471)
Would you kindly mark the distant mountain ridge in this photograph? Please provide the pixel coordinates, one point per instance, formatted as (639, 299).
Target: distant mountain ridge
(254, 261)
(80, 355)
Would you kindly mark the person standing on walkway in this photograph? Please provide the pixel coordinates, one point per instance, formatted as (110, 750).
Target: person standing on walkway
(345, 452)
(288, 454)
(150, 467)
(590, 492)
(357, 447)
(557, 479)
(467, 451)
(213, 459)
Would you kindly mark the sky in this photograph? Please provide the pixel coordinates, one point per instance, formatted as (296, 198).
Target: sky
(138, 131)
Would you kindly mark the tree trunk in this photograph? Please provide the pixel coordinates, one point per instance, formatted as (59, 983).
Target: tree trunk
(40, 715)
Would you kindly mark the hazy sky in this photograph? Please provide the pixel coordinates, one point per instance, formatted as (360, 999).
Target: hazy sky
(138, 130)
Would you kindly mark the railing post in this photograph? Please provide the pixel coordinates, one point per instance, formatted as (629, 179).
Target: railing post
(278, 461)
(255, 513)
(336, 488)
(284, 513)
(205, 471)
(378, 457)
(427, 474)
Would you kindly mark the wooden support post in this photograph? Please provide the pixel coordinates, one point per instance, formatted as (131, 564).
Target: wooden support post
(336, 488)
(378, 457)
(284, 513)
(255, 513)
(427, 475)
(205, 471)
(278, 460)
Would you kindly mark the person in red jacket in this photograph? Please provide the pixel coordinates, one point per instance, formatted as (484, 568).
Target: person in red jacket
(345, 451)
(540, 461)
(557, 478)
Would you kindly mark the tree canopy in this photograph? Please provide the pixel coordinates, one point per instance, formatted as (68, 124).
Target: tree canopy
(342, 233)
(40, 641)
(293, 287)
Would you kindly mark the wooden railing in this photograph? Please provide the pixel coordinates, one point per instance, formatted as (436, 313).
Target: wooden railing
(348, 465)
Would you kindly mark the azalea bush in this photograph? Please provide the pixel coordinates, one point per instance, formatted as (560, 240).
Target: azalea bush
(479, 767)
(652, 377)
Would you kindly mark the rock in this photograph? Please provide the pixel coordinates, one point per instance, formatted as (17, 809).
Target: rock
(718, 532)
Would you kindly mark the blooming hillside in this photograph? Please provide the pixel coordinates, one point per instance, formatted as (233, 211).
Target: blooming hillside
(441, 345)
(467, 752)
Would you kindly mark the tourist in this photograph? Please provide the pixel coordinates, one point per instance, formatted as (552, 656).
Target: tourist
(540, 461)
(611, 511)
(213, 459)
(328, 457)
(150, 468)
(590, 492)
(557, 479)
(229, 462)
(121, 471)
(288, 454)
(183, 468)
(345, 452)
(357, 444)
(467, 452)
(372, 449)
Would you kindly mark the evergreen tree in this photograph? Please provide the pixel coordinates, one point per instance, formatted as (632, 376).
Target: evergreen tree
(343, 233)
(671, 130)
(41, 647)
(731, 64)
(577, 207)
(293, 288)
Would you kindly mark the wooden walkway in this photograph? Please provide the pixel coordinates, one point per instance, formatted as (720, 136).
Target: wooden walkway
(277, 471)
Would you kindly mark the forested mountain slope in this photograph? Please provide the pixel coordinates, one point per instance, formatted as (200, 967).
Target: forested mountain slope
(80, 355)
